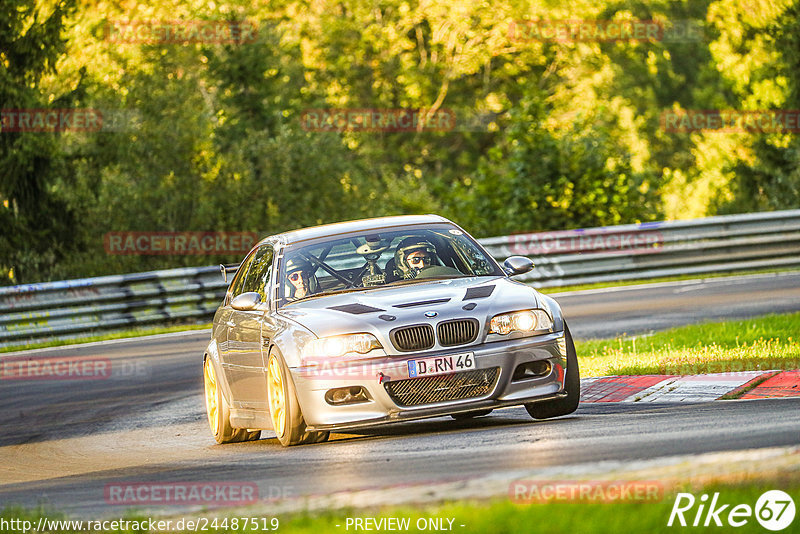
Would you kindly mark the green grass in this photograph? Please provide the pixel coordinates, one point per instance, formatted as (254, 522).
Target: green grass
(768, 342)
(502, 516)
(603, 285)
(137, 332)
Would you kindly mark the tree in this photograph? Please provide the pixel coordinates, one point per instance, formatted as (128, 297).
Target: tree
(37, 223)
(771, 179)
(536, 180)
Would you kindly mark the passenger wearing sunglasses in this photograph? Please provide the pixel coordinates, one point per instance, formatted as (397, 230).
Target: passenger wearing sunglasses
(302, 281)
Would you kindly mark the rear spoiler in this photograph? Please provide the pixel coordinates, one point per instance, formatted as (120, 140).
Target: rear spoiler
(230, 268)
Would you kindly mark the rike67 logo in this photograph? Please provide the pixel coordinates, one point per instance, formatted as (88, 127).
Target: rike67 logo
(774, 510)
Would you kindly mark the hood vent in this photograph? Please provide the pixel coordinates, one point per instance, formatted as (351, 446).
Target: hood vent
(421, 303)
(355, 309)
(479, 292)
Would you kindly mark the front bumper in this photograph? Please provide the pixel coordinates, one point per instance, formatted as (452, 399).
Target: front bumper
(312, 383)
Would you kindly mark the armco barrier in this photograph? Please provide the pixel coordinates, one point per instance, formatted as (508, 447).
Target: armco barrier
(629, 252)
(731, 243)
(73, 308)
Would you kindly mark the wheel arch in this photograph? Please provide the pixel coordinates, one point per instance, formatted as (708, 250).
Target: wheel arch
(265, 356)
(551, 304)
(212, 353)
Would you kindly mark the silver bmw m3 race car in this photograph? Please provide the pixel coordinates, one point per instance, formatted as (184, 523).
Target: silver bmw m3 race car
(376, 321)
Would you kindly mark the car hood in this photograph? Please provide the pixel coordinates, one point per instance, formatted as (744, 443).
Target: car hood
(372, 310)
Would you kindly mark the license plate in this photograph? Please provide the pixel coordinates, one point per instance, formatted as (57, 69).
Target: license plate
(441, 365)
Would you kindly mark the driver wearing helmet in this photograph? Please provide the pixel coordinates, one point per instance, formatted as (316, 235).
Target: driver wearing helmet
(300, 277)
(412, 255)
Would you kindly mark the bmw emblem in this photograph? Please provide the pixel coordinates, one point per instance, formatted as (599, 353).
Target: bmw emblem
(430, 314)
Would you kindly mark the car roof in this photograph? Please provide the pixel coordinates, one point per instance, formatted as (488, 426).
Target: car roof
(362, 225)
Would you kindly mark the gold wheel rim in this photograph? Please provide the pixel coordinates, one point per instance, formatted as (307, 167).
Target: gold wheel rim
(212, 408)
(277, 399)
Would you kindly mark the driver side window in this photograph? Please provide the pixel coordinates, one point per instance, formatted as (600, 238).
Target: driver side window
(238, 280)
(258, 276)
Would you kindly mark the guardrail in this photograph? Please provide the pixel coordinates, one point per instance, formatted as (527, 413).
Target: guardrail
(75, 308)
(649, 250)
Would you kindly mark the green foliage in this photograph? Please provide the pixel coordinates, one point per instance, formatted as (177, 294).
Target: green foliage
(539, 181)
(550, 135)
(35, 219)
(770, 183)
(771, 180)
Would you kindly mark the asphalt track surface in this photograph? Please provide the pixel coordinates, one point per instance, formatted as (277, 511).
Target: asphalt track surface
(64, 441)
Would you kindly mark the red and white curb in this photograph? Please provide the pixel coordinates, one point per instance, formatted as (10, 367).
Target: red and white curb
(693, 388)
(782, 384)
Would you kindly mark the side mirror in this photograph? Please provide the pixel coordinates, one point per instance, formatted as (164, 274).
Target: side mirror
(517, 265)
(246, 301)
(225, 269)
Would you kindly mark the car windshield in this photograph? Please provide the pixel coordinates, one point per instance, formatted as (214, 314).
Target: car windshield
(362, 261)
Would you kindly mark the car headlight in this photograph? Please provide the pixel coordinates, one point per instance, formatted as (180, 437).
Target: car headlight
(333, 346)
(525, 321)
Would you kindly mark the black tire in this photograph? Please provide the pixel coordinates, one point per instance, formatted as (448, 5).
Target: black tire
(572, 385)
(287, 418)
(218, 411)
(470, 415)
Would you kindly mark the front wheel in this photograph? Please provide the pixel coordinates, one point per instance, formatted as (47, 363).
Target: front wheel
(572, 386)
(284, 410)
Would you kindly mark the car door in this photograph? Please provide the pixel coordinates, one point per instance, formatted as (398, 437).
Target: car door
(244, 364)
(223, 319)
